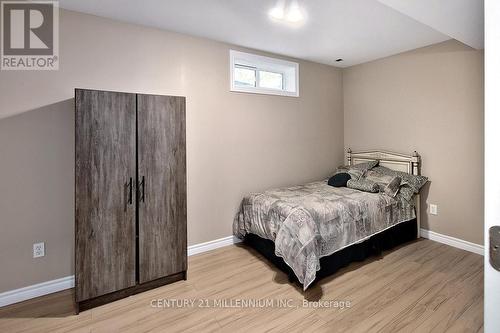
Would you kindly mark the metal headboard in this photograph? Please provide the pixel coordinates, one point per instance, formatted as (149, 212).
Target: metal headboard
(395, 161)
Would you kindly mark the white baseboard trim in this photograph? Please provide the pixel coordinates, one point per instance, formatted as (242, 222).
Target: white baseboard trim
(36, 290)
(452, 241)
(49, 287)
(212, 245)
(44, 288)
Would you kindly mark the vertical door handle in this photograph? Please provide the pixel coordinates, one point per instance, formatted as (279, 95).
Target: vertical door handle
(128, 192)
(141, 193)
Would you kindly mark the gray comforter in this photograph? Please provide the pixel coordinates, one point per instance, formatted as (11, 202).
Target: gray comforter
(314, 220)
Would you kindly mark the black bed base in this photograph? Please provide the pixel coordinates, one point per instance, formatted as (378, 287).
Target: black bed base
(386, 240)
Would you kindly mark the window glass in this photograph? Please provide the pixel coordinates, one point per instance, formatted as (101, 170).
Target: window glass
(244, 76)
(271, 80)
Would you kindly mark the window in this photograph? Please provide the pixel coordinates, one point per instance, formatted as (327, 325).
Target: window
(271, 80)
(245, 76)
(263, 75)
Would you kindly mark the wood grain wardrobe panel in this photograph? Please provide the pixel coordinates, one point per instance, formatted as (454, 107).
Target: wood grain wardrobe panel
(162, 186)
(105, 167)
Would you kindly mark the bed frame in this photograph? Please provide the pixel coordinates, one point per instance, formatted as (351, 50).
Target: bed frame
(386, 240)
(395, 161)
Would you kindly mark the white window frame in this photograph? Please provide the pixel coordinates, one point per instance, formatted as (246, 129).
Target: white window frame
(289, 70)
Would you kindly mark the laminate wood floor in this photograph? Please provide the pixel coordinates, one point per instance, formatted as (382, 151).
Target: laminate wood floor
(422, 286)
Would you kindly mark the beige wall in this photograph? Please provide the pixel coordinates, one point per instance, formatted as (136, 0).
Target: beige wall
(429, 100)
(236, 143)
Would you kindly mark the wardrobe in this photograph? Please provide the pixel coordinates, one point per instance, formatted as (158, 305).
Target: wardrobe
(130, 194)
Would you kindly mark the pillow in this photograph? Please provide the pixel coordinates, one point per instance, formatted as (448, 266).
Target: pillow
(406, 192)
(363, 184)
(392, 188)
(365, 165)
(339, 180)
(410, 184)
(387, 183)
(356, 171)
(414, 181)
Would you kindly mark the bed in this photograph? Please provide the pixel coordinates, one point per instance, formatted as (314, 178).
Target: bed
(312, 230)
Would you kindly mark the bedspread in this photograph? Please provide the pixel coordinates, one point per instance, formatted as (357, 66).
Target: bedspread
(310, 221)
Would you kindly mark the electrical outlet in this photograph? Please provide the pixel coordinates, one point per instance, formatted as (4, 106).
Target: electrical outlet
(433, 209)
(38, 250)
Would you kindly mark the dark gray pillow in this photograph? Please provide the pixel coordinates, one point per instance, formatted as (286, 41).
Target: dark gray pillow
(364, 185)
(339, 180)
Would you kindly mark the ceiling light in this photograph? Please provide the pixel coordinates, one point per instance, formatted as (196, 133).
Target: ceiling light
(278, 11)
(294, 14)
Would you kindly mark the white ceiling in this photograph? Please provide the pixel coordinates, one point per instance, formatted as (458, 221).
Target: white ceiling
(462, 20)
(355, 30)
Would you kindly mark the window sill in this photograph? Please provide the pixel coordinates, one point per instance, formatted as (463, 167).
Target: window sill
(263, 91)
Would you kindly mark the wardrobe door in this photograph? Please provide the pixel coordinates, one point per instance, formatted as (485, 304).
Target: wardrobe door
(105, 169)
(162, 186)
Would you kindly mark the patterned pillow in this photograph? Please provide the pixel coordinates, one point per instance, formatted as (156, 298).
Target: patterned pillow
(363, 184)
(406, 192)
(356, 171)
(387, 183)
(392, 188)
(413, 181)
(365, 166)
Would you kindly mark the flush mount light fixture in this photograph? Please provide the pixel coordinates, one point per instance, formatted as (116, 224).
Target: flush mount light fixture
(293, 14)
(278, 11)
